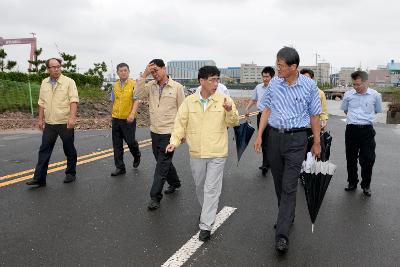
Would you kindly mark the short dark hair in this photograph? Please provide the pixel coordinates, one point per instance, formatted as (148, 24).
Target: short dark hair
(158, 62)
(309, 71)
(48, 61)
(359, 74)
(269, 70)
(289, 55)
(208, 71)
(121, 65)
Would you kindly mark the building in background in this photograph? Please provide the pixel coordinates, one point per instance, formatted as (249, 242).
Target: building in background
(250, 73)
(380, 77)
(385, 75)
(394, 69)
(334, 78)
(321, 72)
(345, 76)
(231, 74)
(186, 69)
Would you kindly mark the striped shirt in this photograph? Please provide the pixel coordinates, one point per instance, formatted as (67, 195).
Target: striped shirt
(361, 108)
(291, 106)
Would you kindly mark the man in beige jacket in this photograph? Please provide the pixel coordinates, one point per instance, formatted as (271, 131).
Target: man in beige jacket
(58, 105)
(165, 96)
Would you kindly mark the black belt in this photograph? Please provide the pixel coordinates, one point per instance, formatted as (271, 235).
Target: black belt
(360, 125)
(290, 131)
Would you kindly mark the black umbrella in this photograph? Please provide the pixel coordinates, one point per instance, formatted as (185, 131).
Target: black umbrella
(243, 134)
(326, 142)
(317, 176)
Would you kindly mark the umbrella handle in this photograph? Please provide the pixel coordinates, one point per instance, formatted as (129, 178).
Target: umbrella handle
(312, 228)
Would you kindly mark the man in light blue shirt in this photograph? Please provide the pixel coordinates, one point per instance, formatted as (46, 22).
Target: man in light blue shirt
(291, 104)
(258, 93)
(360, 105)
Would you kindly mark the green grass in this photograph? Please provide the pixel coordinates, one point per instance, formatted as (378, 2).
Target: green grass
(91, 93)
(390, 89)
(396, 98)
(14, 96)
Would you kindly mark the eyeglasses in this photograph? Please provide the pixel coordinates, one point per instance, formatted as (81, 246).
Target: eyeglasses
(281, 66)
(55, 67)
(213, 80)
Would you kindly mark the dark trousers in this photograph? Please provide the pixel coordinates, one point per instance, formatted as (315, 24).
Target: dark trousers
(122, 130)
(360, 144)
(286, 154)
(264, 141)
(165, 170)
(49, 138)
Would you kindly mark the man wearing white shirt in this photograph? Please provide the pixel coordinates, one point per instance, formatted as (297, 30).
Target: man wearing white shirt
(267, 74)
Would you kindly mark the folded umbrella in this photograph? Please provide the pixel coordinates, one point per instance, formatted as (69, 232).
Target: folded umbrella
(326, 142)
(243, 134)
(317, 176)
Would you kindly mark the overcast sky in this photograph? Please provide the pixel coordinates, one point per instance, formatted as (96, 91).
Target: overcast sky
(343, 32)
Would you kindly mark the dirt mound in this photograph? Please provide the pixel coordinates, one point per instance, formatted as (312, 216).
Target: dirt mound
(91, 115)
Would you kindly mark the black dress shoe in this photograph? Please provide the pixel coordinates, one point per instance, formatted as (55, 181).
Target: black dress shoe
(35, 182)
(367, 192)
(204, 235)
(153, 204)
(69, 178)
(170, 189)
(136, 162)
(118, 172)
(350, 187)
(282, 245)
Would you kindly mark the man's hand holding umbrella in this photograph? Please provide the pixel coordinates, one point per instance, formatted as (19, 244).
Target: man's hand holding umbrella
(263, 124)
(257, 144)
(316, 149)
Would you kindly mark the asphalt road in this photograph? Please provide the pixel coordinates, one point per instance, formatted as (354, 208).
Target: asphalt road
(103, 221)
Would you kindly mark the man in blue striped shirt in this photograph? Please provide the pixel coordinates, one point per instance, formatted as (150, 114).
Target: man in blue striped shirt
(360, 105)
(290, 105)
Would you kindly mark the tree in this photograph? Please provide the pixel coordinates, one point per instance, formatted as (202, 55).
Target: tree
(3, 55)
(98, 70)
(39, 65)
(11, 64)
(67, 59)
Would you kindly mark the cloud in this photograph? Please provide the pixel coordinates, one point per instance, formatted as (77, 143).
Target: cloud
(229, 31)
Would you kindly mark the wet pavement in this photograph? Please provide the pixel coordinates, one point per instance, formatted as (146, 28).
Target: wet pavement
(103, 221)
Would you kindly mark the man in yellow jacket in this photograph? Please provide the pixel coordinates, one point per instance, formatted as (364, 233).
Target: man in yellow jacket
(58, 105)
(123, 119)
(203, 119)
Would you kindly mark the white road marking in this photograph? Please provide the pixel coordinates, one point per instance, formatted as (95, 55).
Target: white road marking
(343, 120)
(187, 250)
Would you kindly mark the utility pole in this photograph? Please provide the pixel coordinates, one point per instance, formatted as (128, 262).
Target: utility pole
(316, 66)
